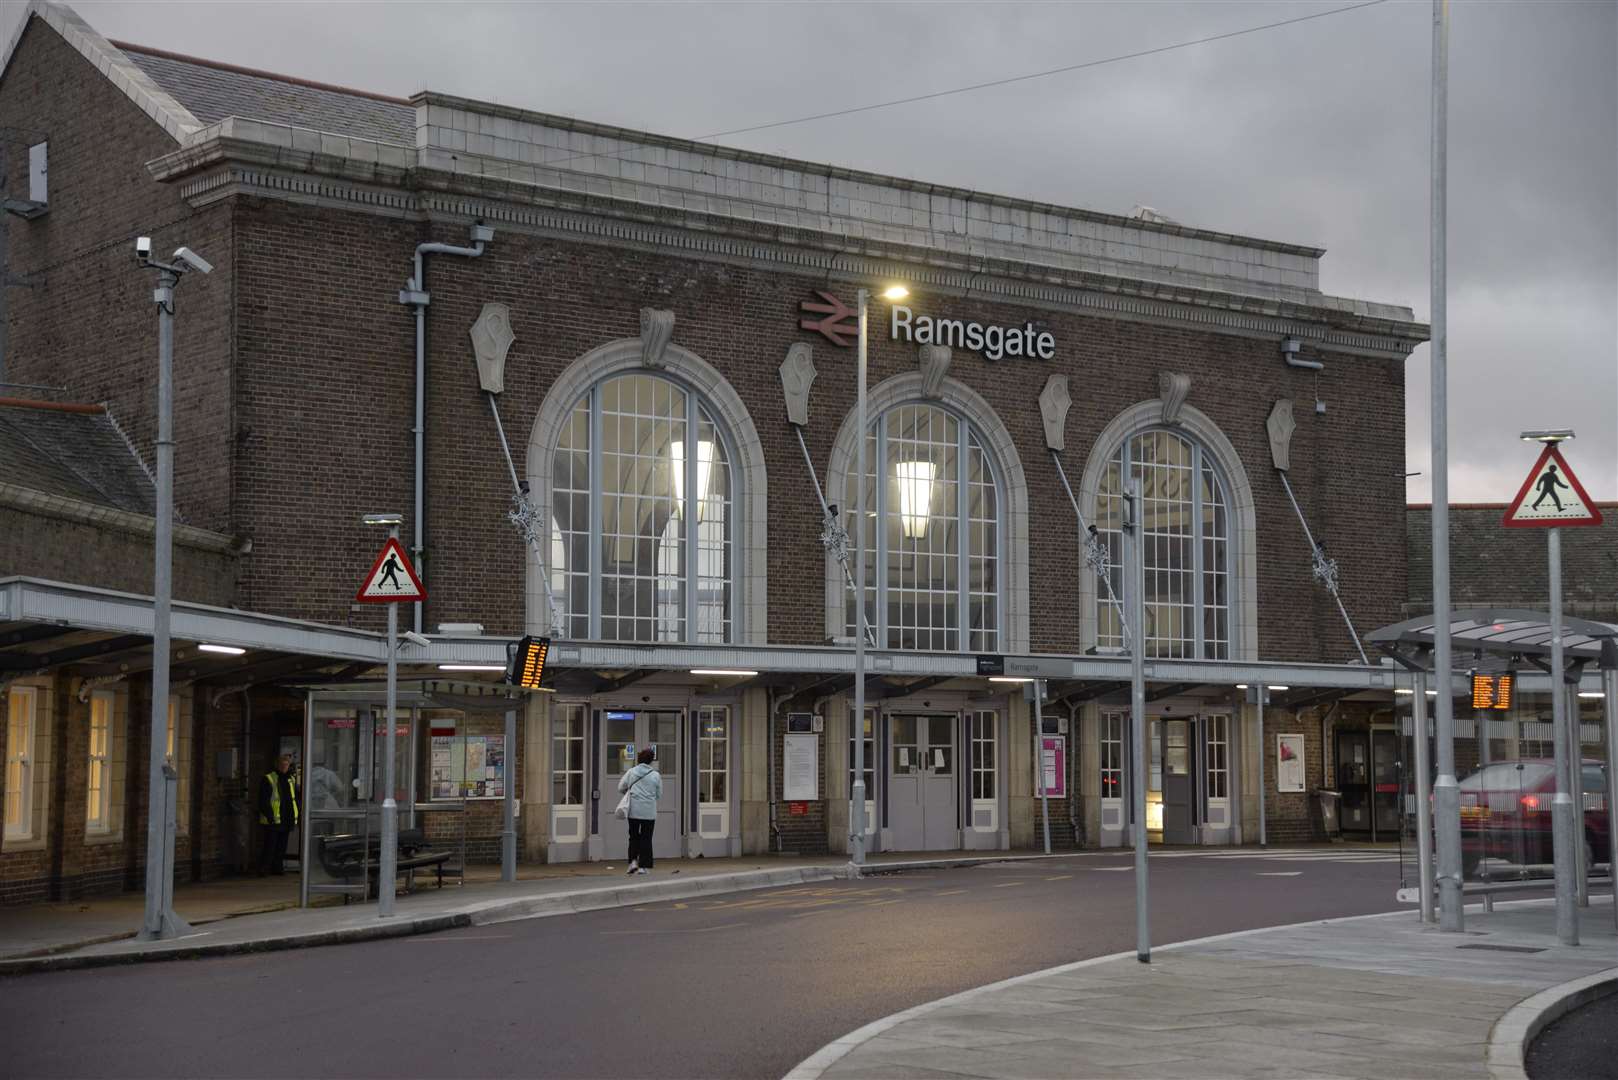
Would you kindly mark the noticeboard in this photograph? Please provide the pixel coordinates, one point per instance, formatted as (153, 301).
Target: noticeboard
(468, 767)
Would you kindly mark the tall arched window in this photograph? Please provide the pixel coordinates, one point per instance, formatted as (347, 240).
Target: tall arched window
(642, 530)
(933, 577)
(1185, 541)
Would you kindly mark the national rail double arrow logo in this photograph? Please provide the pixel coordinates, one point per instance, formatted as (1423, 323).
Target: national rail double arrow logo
(839, 324)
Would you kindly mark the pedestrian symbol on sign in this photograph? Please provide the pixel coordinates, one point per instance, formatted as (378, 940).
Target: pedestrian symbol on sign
(385, 585)
(1557, 496)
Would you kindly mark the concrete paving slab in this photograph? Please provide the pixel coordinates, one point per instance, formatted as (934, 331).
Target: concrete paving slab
(1368, 997)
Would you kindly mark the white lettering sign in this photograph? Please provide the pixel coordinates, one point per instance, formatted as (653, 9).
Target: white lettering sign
(994, 342)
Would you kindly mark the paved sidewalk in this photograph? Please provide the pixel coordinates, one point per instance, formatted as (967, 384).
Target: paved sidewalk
(246, 915)
(1367, 997)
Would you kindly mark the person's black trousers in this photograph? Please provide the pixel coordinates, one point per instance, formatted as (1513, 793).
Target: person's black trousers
(640, 841)
(273, 848)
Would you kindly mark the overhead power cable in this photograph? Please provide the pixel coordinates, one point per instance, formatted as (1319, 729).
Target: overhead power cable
(991, 84)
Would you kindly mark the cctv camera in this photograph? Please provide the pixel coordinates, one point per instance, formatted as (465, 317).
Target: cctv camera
(417, 639)
(193, 260)
(143, 247)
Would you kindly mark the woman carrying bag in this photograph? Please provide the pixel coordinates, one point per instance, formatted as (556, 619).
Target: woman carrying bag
(641, 787)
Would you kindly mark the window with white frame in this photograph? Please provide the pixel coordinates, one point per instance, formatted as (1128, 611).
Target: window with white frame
(98, 778)
(567, 755)
(713, 763)
(984, 759)
(869, 750)
(1185, 542)
(178, 751)
(1218, 728)
(1112, 755)
(21, 719)
(642, 527)
(933, 577)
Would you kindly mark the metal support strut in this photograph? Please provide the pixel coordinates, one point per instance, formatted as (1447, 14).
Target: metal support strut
(525, 518)
(1324, 569)
(835, 538)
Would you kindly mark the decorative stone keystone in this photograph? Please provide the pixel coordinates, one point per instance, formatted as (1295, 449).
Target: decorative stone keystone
(934, 366)
(1053, 404)
(656, 328)
(1281, 426)
(1173, 388)
(797, 376)
(491, 340)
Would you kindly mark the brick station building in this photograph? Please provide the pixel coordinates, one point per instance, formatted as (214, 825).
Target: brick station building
(632, 296)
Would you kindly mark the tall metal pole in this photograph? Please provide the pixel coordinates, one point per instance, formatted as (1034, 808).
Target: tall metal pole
(1260, 693)
(1136, 590)
(1039, 758)
(389, 860)
(856, 810)
(1575, 788)
(1567, 915)
(1424, 806)
(508, 831)
(1446, 792)
(1609, 688)
(160, 920)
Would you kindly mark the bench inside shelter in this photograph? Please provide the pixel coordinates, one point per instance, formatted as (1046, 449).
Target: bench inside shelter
(348, 856)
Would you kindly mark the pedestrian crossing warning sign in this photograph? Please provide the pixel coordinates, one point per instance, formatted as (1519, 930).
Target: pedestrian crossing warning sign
(392, 580)
(1551, 496)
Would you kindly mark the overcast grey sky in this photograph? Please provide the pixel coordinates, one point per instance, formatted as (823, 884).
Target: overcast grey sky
(1315, 133)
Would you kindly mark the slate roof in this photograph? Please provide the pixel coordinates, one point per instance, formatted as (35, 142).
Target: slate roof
(213, 91)
(77, 454)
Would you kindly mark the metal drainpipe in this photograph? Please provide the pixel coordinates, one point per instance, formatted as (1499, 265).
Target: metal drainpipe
(415, 294)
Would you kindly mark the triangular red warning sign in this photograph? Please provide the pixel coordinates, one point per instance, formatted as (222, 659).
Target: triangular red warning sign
(1551, 497)
(392, 580)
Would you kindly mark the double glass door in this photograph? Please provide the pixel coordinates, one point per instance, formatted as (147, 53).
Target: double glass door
(626, 735)
(922, 783)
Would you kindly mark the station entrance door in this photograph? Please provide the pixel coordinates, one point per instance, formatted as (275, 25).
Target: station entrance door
(1178, 751)
(627, 734)
(923, 788)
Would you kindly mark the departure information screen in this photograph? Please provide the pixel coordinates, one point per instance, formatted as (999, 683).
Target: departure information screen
(1492, 691)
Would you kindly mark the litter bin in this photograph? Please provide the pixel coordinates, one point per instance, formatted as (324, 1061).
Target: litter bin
(1326, 801)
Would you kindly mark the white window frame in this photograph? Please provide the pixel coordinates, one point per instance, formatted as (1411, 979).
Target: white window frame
(872, 763)
(707, 715)
(1200, 576)
(984, 731)
(98, 774)
(1216, 729)
(569, 723)
(22, 719)
(687, 619)
(969, 439)
(1112, 739)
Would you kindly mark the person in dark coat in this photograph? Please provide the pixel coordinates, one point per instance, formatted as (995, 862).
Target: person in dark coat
(277, 814)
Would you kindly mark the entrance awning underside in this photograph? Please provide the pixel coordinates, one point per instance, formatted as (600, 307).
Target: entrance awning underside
(48, 625)
(1491, 639)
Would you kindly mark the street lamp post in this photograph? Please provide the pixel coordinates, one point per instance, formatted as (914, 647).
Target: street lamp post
(160, 920)
(856, 815)
(388, 860)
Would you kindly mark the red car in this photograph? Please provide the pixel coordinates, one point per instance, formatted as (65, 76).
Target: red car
(1506, 813)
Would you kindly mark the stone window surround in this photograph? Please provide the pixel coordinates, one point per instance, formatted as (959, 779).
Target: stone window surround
(1197, 426)
(111, 828)
(749, 620)
(997, 443)
(41, 761)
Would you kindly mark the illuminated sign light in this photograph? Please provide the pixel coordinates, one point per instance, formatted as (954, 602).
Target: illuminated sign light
(526, 664)
(1492, 691)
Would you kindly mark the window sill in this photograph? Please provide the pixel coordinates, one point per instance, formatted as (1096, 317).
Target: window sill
(15, 843)
(100, 837)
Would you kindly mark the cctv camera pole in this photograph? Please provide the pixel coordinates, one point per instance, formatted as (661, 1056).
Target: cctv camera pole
(160, 921)
(1562, 839)
(389, 861)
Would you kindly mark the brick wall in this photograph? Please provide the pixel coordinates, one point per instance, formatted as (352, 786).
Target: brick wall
(1494, 565)
(326, 410)
(89, 324)
(35, 545)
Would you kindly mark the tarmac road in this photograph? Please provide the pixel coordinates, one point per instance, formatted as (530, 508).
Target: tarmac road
(1583, 1045)
(741, 985)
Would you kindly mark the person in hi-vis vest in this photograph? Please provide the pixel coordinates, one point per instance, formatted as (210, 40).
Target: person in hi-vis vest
(277, 814)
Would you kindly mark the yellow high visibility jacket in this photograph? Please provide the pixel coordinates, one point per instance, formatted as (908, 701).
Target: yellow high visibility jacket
(274, 816)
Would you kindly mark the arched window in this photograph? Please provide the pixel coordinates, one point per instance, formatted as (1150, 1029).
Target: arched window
(1186, 542)
(642, 529)
(933, 569)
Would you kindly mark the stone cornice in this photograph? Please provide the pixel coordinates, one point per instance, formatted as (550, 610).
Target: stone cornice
(222, 166)
(62, 508)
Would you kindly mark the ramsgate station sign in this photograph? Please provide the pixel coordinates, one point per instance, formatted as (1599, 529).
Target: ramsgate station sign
(838, 324)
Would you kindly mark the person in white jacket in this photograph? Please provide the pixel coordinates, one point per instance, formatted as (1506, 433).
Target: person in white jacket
(644, 785)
